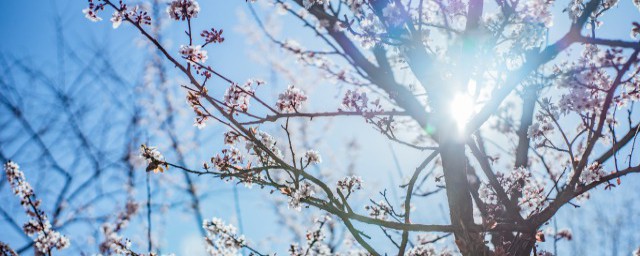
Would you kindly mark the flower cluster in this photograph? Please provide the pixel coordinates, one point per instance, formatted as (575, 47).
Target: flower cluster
(425, 250)
(91, 12)
(155, 160)
(359, 102)
(315, 244)
(372, 29)
(291, 99)
(635, 31)
(350, 183)
(6, 250)
(229, 166)
(380, 210)
(193, 99)
(308, 3)
(586, 89)
(593, 173)
(136, 15)
(355, 100)
(269, 142)
(520, 182)
(113, 242)
(237, 97)
(183, 9)
(393, 14)
(46, 239)
(116, 19)
(424, 247)
(312, 157)
(221, 238)
(231, 137)
(193, 53)
(544, 125)
(539, 11)
(213, 36)
(303, 191)
(230, 158)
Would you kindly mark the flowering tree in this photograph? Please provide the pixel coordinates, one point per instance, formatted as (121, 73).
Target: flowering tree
(514, 124)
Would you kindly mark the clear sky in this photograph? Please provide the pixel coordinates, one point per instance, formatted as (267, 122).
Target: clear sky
(28, 30)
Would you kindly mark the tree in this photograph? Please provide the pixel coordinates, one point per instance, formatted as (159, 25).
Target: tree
(474, 86)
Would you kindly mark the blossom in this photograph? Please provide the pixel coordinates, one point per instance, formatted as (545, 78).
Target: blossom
(635, 31)
(350, 183)
(422, 250)
(355, 100)
(593, 173)
(291, 99)
(297, 194)
(183, 9)
(137, 15)
(193, 53)
(113, 242)
(308, 3)
(90, 14)
(48, 239)
(519, 181)
(154, 159)
(379, 210)
(39, 226)
(544, 122)
(116, 19)
(222, 238)
(231, 137)
(229, 158)
(18, 183)
(312, 157)
(269, 142)
(539, 11)
(6, 250)
(213, 36)
(237, 97)
(392, 14)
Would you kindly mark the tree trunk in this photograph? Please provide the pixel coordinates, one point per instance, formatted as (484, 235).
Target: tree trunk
(454, 163)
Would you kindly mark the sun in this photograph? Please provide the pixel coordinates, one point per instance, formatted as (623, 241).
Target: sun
(463, 107)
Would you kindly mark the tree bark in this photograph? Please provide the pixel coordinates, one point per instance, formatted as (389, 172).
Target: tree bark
(454, 163)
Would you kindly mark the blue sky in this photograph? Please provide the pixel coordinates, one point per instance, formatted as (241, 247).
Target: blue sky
(28, 29)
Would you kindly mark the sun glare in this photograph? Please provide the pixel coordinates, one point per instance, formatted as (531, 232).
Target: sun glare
(462, 108)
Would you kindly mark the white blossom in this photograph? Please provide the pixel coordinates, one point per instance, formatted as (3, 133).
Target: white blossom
(38, 225)
(379, 210)
(116, 19)
(350, 183)
(90, 14)
(312, 157)
(305, 190)
(222, 239)
(194, 53)
(183, 9)
(308, 3)
(237, 97)
(291, 100)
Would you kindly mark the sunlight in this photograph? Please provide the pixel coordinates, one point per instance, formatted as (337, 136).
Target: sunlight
(462, 108)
